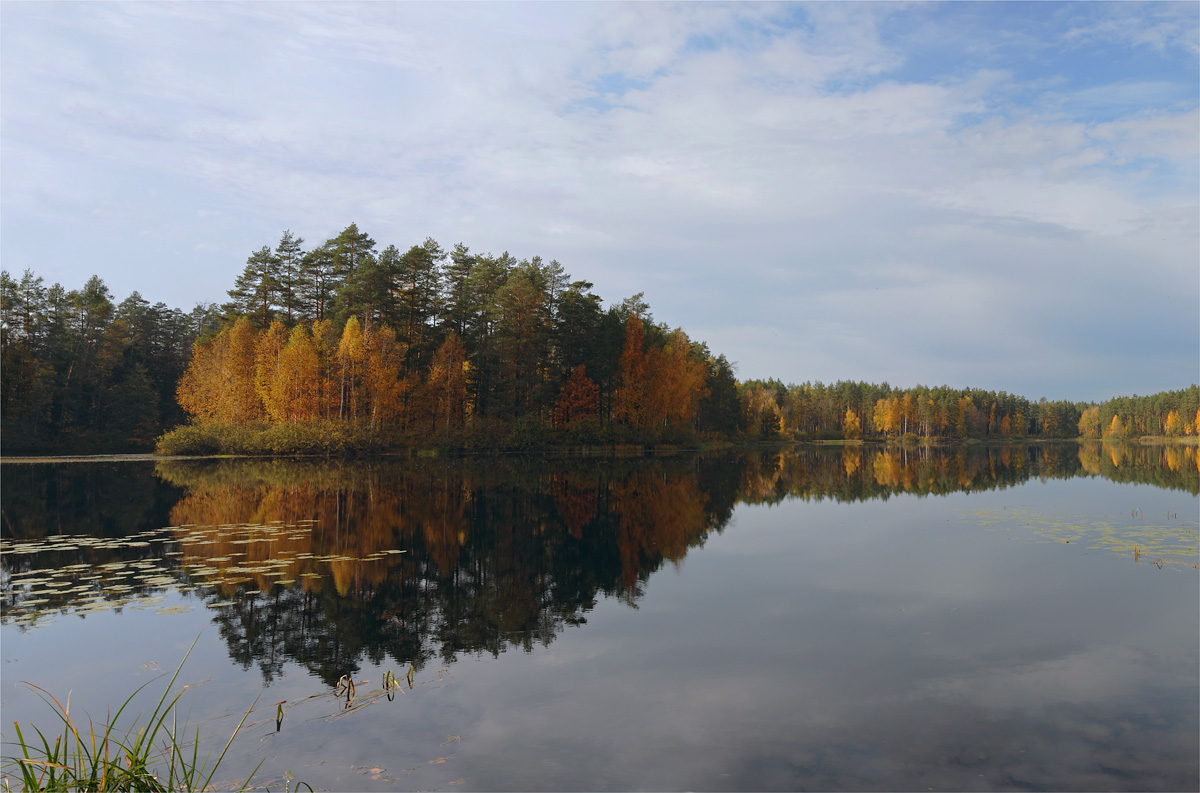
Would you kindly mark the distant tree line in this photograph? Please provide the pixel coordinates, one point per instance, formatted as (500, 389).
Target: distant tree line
(79, 373)
(866, 410)
(461, 348)
(1169, 413)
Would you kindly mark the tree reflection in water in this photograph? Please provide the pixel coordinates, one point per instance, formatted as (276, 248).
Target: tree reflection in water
(497, 552)
(506, 552)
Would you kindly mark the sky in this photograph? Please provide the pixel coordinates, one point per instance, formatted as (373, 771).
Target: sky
(994, 195)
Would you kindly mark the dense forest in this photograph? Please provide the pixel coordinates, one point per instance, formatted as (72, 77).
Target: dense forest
(346, 347)
(865, 410)
(79, 373)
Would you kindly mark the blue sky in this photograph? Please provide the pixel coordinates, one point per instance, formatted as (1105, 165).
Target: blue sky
(998, 195)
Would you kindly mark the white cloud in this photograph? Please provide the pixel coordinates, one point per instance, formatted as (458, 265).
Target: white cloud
(746, 166)
(1160, 26)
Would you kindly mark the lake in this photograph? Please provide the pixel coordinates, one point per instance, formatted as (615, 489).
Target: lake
(822, 618)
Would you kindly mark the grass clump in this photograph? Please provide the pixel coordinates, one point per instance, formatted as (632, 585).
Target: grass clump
(156, 755)
(324, 437)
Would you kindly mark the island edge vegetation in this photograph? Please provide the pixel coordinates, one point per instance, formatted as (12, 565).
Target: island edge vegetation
(346, 349)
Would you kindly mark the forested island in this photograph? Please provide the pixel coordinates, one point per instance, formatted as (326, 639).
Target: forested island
(346, 349)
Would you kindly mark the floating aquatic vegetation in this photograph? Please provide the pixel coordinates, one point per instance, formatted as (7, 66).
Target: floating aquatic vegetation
(186, 557)
(1174, 541)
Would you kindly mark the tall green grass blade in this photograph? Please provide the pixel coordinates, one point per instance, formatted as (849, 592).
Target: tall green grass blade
(143, 758)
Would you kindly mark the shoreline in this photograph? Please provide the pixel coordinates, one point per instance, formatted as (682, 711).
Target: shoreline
(621, 450)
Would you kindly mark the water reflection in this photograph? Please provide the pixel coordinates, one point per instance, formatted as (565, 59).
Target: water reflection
(857, 473)
(334, 565)
(494, 554)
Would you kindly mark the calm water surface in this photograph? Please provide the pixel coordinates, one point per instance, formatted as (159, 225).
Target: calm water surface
(823, 619)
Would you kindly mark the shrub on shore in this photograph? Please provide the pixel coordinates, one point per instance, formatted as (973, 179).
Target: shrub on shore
(344, 439)
(329, 438)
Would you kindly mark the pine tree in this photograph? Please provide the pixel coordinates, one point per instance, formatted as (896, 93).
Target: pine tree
(488, 275)
(256, 292)
(318, 283)
(289, 256)
(357, 277)
(418, 280)
(719, 409)
(521, 339)
(351, 249)
(576, 328)
(457, 297)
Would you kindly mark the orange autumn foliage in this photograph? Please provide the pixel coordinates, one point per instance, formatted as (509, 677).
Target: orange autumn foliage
(244, 374)
(447, 386)
(296, 387)
(631, 389)
(659, 385)
(579, 396)
(219, 383)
